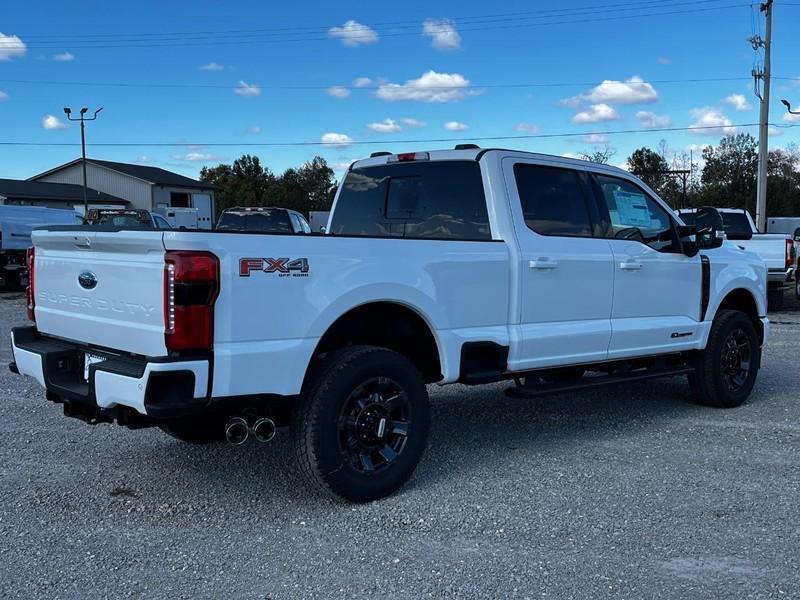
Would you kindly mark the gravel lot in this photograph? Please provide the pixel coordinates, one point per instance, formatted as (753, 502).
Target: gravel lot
(626, 492)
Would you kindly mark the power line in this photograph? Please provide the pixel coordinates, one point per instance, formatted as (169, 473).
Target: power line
(391, 142)
(125, 84)
(546, 13)
(368, 35)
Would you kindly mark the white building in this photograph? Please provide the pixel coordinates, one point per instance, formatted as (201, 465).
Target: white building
(145, 187)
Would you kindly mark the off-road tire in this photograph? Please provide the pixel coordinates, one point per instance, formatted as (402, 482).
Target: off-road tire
(321, 420)
(708, 382)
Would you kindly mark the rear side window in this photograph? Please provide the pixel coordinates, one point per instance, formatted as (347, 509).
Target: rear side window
(430, 199)
(553, 200)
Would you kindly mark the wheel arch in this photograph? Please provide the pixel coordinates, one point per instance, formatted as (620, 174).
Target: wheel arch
(744, 301)
(388, 324)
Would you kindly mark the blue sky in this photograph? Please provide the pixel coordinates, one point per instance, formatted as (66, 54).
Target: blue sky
(409, 71)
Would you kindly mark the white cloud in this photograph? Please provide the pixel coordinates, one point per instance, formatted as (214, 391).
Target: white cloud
(456, 126)
(738, 101)
(632, 91)
(790, 118)
(194, 157)
(624, 166)
(443, 34)
(11, 47)
(143, 158)
(342, 165)
(247, 90)
(3, 96)
(361, 82)
(53, 122)
(596, 138)
(339, 140)
(713, 121)
(353, 33)
(597, 113)
(663, 60)
(650, 120)
(63, 57)
(254, 129)
(430, 87)
(385, 126)
(570, 155)
(212, 66)
(526, 128)
(338, 91)
(774, 131)
(414, 123)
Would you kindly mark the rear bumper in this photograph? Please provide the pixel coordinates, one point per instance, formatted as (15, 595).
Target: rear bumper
(120, 388)
(780, 276)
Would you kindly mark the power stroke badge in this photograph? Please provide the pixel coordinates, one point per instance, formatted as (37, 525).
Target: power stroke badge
(283, 267)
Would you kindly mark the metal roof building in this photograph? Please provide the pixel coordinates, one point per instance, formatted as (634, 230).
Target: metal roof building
(52, 195)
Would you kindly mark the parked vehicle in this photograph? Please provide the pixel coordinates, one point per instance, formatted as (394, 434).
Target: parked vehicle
(263, 219)
(182, 218)
(127, 218)
(777, 250)
(16, 223)
(463, 265)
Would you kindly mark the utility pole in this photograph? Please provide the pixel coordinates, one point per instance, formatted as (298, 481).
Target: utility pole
(82, 119)
(763, 126)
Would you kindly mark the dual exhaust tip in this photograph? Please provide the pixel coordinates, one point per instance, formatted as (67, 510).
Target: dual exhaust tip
(237, 430)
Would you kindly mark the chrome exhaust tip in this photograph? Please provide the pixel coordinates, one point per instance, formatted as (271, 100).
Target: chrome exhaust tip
(264, 429)
(236, 431)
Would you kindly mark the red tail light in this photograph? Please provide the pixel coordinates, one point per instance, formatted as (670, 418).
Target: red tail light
(790, 253)
(30, 259)
(191, 286)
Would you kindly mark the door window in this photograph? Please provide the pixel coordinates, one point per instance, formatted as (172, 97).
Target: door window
(635, 216)
(553, 200)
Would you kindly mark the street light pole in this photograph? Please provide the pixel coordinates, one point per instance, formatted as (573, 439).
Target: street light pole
(82, 119)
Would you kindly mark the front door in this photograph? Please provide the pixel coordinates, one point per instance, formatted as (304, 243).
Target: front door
(565, 274)
(657, 288)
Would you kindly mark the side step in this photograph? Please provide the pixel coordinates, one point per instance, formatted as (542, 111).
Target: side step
(542, 389)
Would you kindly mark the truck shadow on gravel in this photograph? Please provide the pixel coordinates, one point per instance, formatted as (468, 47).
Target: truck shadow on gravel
(471, 429)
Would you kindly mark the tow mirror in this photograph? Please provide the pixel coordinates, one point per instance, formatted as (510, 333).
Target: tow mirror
(709, 232)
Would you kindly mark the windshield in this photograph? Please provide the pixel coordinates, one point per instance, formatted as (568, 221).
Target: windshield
(267, 221)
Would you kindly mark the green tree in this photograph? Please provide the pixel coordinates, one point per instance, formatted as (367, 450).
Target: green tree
(244, 183)
(729, 175)
(649, 166)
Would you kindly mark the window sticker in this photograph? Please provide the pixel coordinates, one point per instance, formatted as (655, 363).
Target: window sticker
(632, 209)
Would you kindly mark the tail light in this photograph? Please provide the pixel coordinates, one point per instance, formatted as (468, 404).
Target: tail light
(790, 253)
(191, 286)
(30, 260)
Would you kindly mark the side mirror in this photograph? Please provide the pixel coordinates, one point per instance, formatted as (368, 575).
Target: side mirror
(709, 231)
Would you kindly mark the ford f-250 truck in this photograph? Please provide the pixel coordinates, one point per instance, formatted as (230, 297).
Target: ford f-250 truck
(463, 265)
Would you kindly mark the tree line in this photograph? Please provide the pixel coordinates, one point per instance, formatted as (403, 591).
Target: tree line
(247, 182)
(727, 178)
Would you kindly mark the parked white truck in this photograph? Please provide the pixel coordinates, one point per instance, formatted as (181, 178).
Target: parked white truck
(464, 265)
(777, 250)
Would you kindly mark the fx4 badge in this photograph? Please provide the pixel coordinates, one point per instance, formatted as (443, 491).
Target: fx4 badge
(284, 267)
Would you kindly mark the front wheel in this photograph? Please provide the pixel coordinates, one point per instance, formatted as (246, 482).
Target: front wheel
(361, 424)
(725, 372)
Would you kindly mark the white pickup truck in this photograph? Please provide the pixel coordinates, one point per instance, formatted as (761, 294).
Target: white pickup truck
(777, 250)
(463, 265)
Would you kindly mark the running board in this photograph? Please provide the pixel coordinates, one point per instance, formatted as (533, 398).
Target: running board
(542, 389)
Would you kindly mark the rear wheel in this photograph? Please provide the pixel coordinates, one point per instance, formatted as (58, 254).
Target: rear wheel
(725, 372)
(196, 430)
(361, 424)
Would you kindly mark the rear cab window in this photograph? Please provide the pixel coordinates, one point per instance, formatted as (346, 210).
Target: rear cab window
(419, 200)
(265, 221)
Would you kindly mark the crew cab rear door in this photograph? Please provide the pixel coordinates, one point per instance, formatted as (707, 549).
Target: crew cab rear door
(565, 271)
(657, 288)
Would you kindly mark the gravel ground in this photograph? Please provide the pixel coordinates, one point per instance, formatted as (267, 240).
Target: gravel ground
(625, 492)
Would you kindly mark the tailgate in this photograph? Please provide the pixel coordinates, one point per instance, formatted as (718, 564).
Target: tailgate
(771, 249)
(102, 288)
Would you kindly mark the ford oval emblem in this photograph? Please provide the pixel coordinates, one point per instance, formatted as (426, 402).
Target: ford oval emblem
(88, 280)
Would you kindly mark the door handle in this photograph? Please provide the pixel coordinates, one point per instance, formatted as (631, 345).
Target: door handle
(543, 264)
(630, 265)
